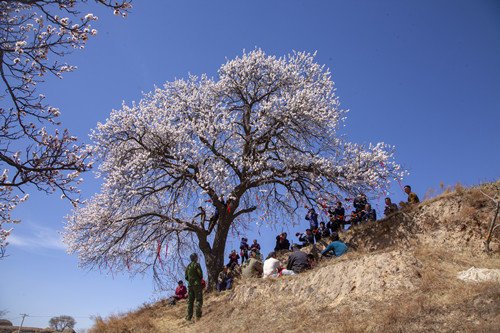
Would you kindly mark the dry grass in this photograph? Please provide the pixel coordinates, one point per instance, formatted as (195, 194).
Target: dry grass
(439, 302)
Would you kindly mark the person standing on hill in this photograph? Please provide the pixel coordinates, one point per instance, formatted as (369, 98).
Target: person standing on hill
(312, 217)
(337, 218)
(255, 246)
(194, 276)
(244, 249)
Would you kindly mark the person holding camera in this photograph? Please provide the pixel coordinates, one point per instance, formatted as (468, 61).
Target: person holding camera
(281, 242)
(306, 238)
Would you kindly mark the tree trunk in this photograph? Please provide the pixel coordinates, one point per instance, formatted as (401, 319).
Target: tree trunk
(214, 255)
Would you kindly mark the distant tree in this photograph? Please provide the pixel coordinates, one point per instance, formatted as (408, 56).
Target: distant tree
(32, 33)
(493, 225)
(264, 135)
(60, 323)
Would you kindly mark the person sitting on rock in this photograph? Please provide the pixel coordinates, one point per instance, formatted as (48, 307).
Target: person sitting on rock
(251, 267)
(244, 249)
(390, 208)
(272, 266)
(255, 246)
(281, 242)
(224, 280)
(336, 246)
(369, 214)
(233, 259)
(306, 238)
(323, 231)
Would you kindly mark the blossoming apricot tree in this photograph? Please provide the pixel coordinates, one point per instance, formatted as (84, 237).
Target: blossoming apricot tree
(31, 32)
(263, 135)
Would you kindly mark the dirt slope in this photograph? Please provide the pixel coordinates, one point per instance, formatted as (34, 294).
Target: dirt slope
(399, 276)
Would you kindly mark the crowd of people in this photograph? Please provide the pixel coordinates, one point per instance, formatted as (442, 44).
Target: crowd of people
(252, 264)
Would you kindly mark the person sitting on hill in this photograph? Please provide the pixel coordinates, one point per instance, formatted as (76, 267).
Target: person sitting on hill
(337, 218)
(323, 232)
(390, 207)
(180, 291)
(251, 267)
(312, 217)
(281, 242)
(233, 259)
(412, 197)
(244, 249)
(369, 214)
(336, 246)
(259, 256)
(306, 238)
(224, 280)
(272, 266)
(298, 261)
(255, 246)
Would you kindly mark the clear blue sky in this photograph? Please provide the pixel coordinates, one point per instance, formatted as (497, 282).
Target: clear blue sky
(421, 75)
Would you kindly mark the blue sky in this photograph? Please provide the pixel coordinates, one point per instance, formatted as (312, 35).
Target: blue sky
(421, 75)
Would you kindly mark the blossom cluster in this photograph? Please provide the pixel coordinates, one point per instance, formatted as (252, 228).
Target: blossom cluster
(34, 38)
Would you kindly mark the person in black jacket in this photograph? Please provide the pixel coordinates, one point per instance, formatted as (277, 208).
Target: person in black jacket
(299, 261)
(281, 242)
(306, 238)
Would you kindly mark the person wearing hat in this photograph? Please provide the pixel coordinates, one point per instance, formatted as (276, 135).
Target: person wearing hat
(194, 276)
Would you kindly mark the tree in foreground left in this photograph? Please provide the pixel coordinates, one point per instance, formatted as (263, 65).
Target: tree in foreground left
(35, 36)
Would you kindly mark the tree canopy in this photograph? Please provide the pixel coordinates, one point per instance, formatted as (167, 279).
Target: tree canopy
(264, 134)
(35, 35)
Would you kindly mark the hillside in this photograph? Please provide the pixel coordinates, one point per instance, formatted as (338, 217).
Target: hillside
(400, 275)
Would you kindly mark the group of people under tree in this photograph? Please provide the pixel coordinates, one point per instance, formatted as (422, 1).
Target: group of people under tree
(298, 261)
(362, 212)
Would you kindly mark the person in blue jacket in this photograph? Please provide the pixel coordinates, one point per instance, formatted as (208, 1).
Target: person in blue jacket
(336, 246)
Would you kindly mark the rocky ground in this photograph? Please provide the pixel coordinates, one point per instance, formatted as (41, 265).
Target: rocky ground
(400, 275)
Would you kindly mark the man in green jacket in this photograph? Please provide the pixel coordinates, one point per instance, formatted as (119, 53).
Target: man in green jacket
(194, 275)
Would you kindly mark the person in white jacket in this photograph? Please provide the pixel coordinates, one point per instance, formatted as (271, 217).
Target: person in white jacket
(272, 266)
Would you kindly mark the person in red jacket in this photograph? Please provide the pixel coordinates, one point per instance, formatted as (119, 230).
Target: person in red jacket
(180, 291)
